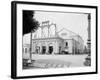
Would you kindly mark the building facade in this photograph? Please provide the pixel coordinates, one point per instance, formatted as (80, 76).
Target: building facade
(60, 42)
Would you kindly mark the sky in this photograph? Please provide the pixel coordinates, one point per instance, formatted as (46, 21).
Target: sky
(74, 22)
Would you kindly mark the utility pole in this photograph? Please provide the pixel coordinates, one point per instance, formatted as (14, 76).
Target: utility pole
(89, 34)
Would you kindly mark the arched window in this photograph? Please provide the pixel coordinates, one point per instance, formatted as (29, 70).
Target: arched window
(66, 45)
(25, 50)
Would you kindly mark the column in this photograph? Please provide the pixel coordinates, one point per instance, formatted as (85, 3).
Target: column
(47, 47)
(56, 47)
(40, 47)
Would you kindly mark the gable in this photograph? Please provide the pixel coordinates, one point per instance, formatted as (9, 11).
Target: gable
(66, 34)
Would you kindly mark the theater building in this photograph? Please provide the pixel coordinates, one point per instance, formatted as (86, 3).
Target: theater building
(60, 42)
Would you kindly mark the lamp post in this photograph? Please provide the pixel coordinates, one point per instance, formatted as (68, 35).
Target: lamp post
(89, 33)
(30, 56)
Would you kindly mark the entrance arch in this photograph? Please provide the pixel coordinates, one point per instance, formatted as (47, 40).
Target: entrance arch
(51, 48)
(43, 49)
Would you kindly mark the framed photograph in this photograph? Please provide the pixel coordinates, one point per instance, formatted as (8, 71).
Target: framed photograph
(50, 39)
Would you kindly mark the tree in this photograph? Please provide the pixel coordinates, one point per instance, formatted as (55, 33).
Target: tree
(29, 23)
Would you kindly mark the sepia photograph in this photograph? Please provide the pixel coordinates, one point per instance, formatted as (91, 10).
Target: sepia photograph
(53, 39)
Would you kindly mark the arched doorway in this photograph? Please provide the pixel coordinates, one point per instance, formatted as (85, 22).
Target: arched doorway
(51, 48)
(43, 49)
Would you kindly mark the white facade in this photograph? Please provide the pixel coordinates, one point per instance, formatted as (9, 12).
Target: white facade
(45, 45)
(26, 51)
(56, 42)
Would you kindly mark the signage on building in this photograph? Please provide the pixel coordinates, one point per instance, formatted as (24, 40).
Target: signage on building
(63, 34)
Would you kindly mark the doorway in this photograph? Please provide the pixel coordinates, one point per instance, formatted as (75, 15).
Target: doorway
(43, 49)
(50, 49)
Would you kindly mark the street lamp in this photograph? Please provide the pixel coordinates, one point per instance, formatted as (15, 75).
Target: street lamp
(30, 57)
(89, 33)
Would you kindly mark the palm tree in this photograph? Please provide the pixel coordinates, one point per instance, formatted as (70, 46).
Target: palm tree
(30, 25)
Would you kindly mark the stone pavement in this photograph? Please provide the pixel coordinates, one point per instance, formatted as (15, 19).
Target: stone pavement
(49, 64)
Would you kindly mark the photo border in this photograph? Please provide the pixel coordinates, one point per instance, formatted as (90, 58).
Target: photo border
(14, 38)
